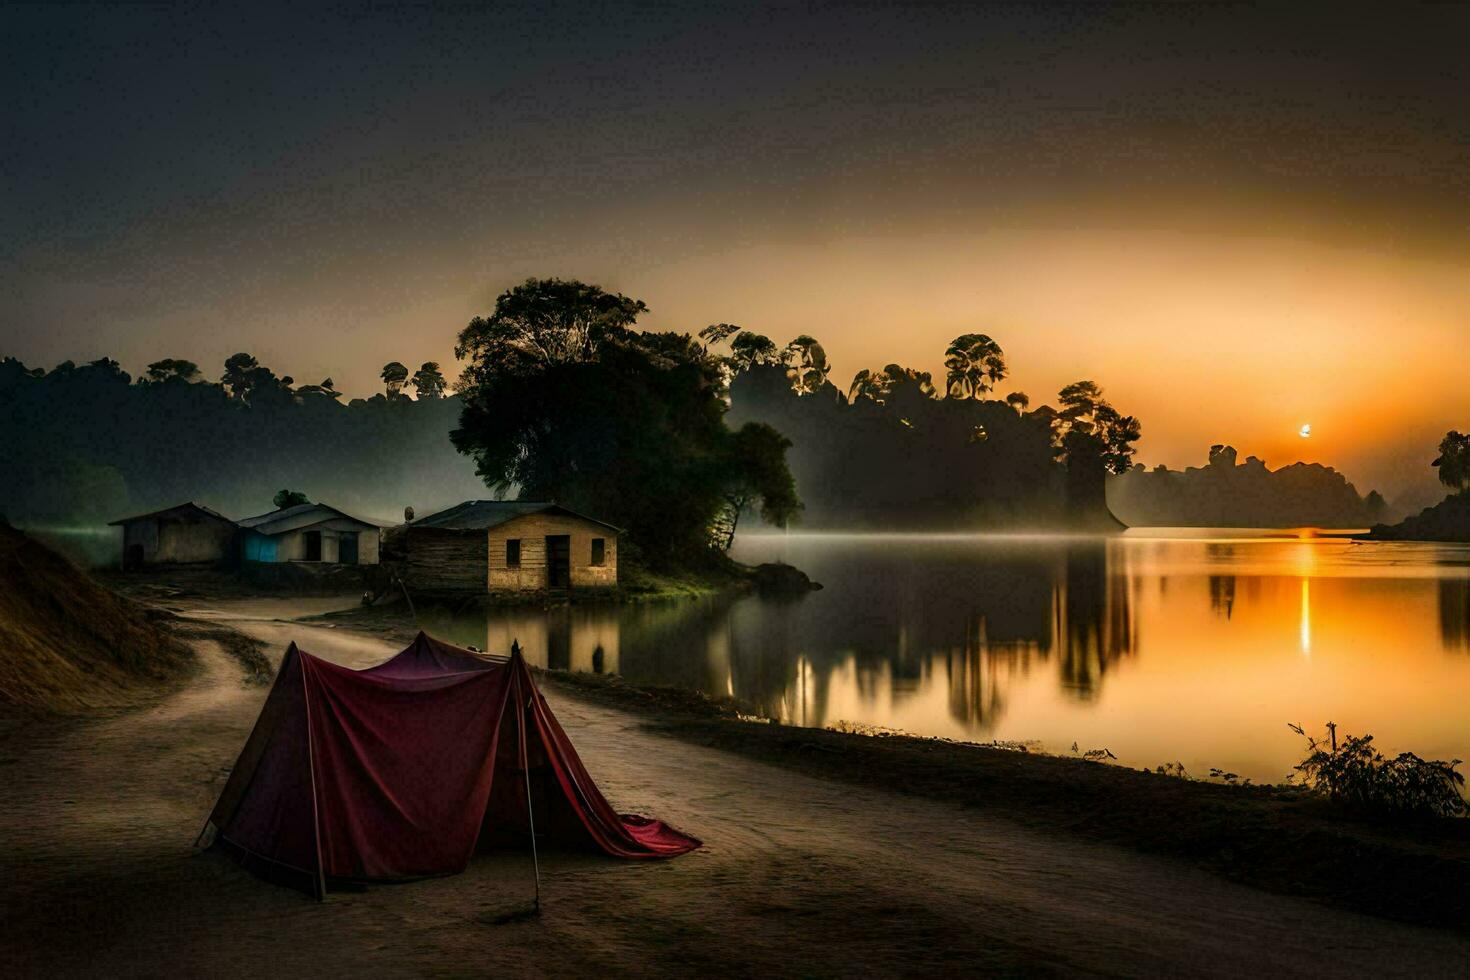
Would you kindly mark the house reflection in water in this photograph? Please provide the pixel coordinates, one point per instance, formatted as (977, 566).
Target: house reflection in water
(581, 638)
(885, 632)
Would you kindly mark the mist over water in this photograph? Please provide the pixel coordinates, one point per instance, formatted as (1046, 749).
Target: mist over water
(1197, 646)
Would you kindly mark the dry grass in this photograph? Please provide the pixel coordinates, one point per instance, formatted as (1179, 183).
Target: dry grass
(71, 646)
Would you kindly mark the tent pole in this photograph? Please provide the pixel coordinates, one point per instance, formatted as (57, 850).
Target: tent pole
(316, 818)
(526, 768)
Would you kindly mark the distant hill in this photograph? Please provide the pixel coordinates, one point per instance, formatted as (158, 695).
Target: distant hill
(68, 644)
(1448, 520)
(1224, 494)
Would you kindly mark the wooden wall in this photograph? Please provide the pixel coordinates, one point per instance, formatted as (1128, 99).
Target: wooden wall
(445, 561)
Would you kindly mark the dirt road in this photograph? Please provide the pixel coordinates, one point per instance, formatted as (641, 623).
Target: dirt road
(798, 875)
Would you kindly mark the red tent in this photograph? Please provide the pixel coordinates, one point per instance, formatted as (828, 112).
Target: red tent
(404, 770)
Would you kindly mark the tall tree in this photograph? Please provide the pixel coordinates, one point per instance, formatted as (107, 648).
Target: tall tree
(394, 376)
(172, 369)
(806, 364)
(563, 400)
(1089, 425)
(892, 382)
(1453, 461)
(428, 381)
(755, 461)
(1019, 400)
(543, 323)
(975, 364)
(749, 349)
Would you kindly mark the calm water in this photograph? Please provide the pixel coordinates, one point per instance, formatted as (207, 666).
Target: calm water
(1161, 646)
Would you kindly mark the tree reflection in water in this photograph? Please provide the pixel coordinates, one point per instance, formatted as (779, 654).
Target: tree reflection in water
(892, 623)
(1454, 613)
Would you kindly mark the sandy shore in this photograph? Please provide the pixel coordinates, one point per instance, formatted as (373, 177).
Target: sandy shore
(799, 876)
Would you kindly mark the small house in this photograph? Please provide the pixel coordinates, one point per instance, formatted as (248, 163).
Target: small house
(499, 546)
(313, 533)
(184, 534)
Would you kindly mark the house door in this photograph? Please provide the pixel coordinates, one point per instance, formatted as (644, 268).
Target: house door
(347, 549)
(558, 561)
(133, 557)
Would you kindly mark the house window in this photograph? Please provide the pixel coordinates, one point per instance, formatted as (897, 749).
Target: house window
(599, 551)
(513, 553)
(313, 546)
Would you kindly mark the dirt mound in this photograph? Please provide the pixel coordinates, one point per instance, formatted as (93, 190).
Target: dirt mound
(70, 645)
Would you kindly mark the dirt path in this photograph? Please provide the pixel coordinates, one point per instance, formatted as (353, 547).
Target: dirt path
(798, 876)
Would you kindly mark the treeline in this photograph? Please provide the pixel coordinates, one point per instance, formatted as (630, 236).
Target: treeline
(1226, 494)
(88, 443)
(897, 451)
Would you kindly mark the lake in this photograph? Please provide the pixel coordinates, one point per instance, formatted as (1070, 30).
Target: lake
(1161, 645)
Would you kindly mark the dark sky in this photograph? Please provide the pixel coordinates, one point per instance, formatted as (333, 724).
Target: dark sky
(1109, 190)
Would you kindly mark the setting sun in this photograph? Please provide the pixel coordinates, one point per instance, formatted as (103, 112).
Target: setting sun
(1306, 431)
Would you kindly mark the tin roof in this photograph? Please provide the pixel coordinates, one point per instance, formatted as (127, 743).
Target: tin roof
(188, 507)
(481, 515)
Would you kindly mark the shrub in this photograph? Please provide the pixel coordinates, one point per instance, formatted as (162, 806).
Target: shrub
(1357, 774)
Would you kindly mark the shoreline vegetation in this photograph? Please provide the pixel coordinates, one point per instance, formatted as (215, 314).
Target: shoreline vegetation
(1280, 838)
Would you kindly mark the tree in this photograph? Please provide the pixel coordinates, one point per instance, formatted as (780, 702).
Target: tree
(324, 389)
(717, 333)
(1088, 425)
(894, 381)
(240, 374)
(394, 376)
(1453, 461)
(806, 365)
(756, 472)
(562, 400)
(543, 323)
(749, 349)
(172, 369)
(289, 498)
(1019, 400)
(428, 381)
(974, 363)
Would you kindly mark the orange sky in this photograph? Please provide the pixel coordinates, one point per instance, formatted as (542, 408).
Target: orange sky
(1237, 219)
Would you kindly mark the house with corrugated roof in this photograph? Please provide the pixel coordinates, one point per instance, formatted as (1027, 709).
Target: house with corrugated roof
(510, 546)
(186, 533)
(312, 533)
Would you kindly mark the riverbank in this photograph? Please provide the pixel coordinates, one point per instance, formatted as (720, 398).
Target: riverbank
(1278, 838)
(799, 875)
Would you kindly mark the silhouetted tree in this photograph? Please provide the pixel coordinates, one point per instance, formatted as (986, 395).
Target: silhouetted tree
(563, 400)
(756, 464)
(241, 372)
(1018, 400)
(894, 382)
(394, 376)
(749, 349)
(325, 390)
(172, 369)
(1453, 461)
(428, 381)
(807, 365)
(289, 498)
(974, 363)
(542, 323)
(717, 333)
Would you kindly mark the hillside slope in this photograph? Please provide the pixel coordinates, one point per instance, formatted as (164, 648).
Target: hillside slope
(69, 645)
